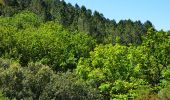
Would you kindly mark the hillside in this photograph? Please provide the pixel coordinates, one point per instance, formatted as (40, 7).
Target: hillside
(51, 50)
(81, 19)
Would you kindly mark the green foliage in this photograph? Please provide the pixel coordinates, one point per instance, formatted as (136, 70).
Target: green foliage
(128, 72)
(68, 86)
(25, 20)
(23, 37)
(102, 64)
(11, 77)
(80, 19)
(38, 81)
(2, 97)
(107, 60)
(154, 55)
(106, 65)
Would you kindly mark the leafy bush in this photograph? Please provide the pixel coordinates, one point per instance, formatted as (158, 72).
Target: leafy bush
(38, 81)
(67, 86)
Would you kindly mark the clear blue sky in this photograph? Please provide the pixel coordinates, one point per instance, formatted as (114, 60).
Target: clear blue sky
(157, 11)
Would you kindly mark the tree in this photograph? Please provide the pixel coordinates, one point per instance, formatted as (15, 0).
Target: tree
(148, 25)
(156, 48)
(24, 38)
(105, 66)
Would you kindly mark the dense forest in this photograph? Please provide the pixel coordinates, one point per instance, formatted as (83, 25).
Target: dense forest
(52, 50)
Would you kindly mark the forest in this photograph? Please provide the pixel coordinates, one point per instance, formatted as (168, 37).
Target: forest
(52, 50)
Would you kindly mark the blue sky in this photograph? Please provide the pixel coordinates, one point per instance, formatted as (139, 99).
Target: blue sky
(157, 11)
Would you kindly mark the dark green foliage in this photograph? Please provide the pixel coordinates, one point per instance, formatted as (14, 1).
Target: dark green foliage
(81, 19)
(38, 81)
(69, 87)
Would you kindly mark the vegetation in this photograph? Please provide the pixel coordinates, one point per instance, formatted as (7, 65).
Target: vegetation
(53, 50)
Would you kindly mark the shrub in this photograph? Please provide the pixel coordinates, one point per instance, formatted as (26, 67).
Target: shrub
(37, 81)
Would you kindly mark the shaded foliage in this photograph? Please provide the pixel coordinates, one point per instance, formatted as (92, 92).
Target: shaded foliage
(38, 81)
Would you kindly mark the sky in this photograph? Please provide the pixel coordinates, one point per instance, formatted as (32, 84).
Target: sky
(156, 11)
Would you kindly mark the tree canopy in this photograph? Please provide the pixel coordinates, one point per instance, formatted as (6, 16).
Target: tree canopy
(51, 50)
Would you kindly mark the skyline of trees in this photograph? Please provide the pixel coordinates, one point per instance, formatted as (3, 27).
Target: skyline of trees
(76, 18)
